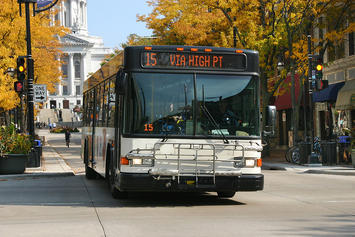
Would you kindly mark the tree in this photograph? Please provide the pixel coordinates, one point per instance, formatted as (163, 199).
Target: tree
(277, 29)
(45, 49)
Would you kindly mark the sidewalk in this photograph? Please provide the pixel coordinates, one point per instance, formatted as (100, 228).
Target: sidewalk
(52, 165)
(276, 161)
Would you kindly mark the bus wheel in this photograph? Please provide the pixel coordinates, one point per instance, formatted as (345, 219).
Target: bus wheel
(110, 177)
(226, 194)
(89, 172)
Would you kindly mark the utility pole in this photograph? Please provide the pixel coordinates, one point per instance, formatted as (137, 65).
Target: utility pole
(30, 63)
(310, 90)
(314, 157)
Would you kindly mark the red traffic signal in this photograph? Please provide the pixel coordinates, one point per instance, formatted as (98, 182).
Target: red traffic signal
(322, 84)
(18, 86)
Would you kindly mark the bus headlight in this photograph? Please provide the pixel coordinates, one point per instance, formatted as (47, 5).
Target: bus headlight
(142, 162)
(250, 163)
(141, 159)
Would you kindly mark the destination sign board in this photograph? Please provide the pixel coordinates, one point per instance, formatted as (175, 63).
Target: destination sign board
(187, 60)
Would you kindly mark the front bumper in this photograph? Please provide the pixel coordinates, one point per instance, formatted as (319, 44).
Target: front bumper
(147, 183)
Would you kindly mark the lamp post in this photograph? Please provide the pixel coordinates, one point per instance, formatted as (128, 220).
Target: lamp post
(10, 71)
(30, 63)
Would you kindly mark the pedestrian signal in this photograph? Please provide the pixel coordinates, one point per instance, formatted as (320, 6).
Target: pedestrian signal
(18, 86)
(322, 84)
(21, 69)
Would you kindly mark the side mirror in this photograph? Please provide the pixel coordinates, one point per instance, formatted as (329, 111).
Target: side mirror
(270, 118)
(121, 82)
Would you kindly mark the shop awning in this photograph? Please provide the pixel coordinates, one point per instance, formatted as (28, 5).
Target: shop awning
(345, 100)
(328, 94)
(283, 101)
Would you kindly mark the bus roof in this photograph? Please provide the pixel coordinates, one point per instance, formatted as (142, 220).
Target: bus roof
(107, 70)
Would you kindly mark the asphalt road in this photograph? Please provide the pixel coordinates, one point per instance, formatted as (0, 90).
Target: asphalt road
(292, 204)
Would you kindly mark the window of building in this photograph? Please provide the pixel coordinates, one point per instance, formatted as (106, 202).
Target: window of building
(65, 19)
(77, 68)
(351, 43)
(77, 90)
(65, 67)
(65, 90)
(78, 102)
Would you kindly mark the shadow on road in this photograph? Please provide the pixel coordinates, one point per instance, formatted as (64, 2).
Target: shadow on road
(76, 191)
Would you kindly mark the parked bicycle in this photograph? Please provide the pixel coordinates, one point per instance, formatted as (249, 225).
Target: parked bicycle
(294, 153)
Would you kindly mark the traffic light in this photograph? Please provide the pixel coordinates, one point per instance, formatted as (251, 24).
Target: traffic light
(18, 85)
(21, 76)
(319, 68)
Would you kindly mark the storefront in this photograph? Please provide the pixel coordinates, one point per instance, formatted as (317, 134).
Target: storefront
(283, 105)
(324, 107)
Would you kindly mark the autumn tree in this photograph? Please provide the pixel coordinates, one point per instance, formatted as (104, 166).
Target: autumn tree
(277, 29)
(45, 49)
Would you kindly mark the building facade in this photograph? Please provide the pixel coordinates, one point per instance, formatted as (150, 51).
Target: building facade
(82, 54)
(335, 105)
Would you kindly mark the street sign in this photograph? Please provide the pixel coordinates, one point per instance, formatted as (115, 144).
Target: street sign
(43, 3)
(40, 93)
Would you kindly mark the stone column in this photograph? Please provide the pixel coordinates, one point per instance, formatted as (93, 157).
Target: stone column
(71, 75)
(71, 13)
(82, 71)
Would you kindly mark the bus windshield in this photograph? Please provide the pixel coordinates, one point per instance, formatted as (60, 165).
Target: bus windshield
(192, 104)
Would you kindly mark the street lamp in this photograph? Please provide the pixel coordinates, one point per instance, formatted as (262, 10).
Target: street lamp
(10, 71)
(280, 66)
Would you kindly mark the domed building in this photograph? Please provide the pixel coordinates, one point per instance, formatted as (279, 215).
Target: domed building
(82, 54)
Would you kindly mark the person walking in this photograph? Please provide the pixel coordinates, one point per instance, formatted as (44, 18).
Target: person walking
(67, 136)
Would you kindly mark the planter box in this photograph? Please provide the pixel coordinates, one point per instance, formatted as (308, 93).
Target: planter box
(13, 164)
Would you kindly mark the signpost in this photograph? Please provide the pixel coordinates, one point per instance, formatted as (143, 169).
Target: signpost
(40, 93)
(30, 63)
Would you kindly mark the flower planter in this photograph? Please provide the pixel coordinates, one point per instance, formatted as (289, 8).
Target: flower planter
(13, 164)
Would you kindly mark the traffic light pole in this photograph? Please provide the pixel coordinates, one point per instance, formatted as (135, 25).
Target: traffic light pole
(30, 75)
(30, 64)
(310, 91)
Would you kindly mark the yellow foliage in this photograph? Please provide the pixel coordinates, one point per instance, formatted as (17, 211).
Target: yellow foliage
(45, 48)
(277, 29)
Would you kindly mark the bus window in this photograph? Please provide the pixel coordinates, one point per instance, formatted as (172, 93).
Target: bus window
(111, 104)
(162, 103)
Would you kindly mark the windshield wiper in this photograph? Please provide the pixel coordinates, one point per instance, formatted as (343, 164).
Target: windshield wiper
(213, 121)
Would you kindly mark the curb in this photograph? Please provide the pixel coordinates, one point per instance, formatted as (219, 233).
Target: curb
(35, 175)
(332, 172)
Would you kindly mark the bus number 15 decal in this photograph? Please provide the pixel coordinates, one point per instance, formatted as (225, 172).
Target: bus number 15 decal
(148, 127)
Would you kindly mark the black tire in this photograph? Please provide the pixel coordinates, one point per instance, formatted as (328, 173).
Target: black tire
(293, 155)
(110, 178)
(89, 172)
(226, 194)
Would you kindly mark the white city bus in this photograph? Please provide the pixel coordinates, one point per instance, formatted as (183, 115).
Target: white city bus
(175, 118)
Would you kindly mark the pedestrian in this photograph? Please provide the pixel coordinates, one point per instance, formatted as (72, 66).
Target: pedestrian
(67, 136)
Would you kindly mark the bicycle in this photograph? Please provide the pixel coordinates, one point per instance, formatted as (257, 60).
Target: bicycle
(293, 154)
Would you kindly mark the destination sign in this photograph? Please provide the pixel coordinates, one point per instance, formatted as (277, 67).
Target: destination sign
(186, 60)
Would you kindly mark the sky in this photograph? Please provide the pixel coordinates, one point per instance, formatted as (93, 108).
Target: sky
(115, 20)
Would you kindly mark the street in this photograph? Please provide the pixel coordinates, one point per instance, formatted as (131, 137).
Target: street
(291, 204)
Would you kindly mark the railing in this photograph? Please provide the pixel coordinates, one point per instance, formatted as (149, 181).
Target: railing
(192, 159)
